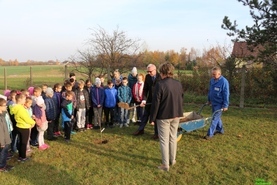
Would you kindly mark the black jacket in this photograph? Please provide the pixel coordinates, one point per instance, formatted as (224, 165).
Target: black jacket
(167, 101)
(149, 89)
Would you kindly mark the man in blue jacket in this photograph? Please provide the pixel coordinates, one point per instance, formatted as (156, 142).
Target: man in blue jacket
(218, 97)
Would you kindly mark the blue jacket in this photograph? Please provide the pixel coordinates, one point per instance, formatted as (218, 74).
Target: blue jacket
(57, 97)
(219, 92)
(97, 91)
(110, 97)
(124, 94)
(67, 110)
(51, 109)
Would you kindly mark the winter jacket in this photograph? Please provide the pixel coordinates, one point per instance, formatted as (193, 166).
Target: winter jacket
(40, 121)
(110, 97)
(97, 96)
(67, 110)
(124, 94)
(21, 116)
(86, 95)
(132, 80)
(51, 109)
(4, 133)
(57, 97)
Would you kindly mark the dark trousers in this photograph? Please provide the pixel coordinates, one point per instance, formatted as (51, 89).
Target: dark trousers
(144, 121)
(34, 135)
(23, 139)
(3, 156)
(50, 129)
(117, 113)
(14, 145)
(89, 115)
(67, 129)
(140, 111)
(56, 123)
(109, 115)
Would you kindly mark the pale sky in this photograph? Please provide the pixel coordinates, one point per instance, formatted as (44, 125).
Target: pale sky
(43, 30)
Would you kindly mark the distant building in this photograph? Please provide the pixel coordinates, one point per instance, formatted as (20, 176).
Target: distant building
(243, 54)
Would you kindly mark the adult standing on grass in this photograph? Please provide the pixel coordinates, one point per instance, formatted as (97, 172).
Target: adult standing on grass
(167, 110)
(148, 91)
(218, 97)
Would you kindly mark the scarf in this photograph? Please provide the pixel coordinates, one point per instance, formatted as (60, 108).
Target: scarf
(139, 91)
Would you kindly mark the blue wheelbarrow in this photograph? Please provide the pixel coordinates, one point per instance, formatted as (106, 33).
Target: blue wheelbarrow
(192, 121)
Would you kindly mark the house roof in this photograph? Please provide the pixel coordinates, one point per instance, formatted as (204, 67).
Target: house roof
(242, 50)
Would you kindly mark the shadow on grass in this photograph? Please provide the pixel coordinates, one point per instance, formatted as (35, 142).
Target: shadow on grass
(129, 155)
(33, 172)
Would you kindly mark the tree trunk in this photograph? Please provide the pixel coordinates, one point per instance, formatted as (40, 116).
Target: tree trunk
(31, 76)
(5, 79)
(242, 88)
(65, 72)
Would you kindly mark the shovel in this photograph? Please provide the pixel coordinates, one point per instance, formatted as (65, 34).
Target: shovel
(126, 105)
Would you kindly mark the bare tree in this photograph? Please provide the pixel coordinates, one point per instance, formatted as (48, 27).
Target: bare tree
(114, 50)
(85, 63)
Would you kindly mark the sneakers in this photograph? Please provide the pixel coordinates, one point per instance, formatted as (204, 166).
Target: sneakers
(57, 133)
(173, 163)
(126, 125)
(10, 155)
(43, 147)
(52, 139)
(133, 120)
(7, 168)
(217, 132)
(164, 168)
(207, 137)
(121, 125)
(20, 159)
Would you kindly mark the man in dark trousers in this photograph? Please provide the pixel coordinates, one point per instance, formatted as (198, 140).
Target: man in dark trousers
(151, 79)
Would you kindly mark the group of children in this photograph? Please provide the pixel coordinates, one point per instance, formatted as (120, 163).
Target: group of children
(26, 115)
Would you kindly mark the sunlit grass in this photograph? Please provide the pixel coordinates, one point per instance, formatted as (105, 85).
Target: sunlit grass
(245, 152)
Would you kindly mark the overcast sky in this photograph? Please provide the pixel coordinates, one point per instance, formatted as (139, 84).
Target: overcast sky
(44, 30)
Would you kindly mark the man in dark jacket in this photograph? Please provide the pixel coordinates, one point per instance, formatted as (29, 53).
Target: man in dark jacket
(148, 90)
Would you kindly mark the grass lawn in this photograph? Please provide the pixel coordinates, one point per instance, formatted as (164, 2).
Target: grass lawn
(245, 154)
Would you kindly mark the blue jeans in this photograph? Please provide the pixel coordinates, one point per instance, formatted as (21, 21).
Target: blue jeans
(3, 156)
(123, 116)
(216, 124)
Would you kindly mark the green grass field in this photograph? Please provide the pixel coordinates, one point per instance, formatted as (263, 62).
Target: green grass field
(244, 154)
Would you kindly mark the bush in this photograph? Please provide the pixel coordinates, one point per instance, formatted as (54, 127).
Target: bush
(259, 88)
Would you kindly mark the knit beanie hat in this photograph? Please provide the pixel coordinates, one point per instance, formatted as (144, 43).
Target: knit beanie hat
(49, 91)
(31, 91)
(97, 81)
(134, 71)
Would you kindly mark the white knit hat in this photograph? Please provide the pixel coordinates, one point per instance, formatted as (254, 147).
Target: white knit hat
(97, 81)
(49, 91)
(134, 71)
